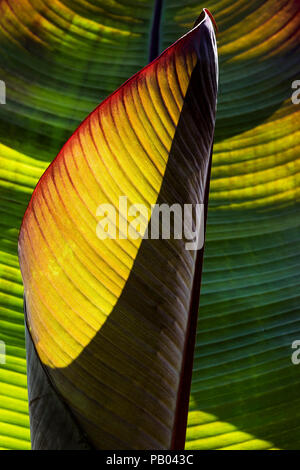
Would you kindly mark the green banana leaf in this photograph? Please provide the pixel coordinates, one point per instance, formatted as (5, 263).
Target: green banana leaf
(59, 60)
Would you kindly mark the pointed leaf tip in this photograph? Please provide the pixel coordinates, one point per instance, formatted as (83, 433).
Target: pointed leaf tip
(202, 16)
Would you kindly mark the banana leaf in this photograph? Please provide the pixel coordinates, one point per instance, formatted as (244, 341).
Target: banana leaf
(111, 316)
(59, 60)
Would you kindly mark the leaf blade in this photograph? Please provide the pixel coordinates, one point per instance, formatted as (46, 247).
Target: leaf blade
(81, 336)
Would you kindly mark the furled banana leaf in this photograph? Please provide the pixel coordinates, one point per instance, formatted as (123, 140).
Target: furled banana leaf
(112, 320)
(59, 59)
